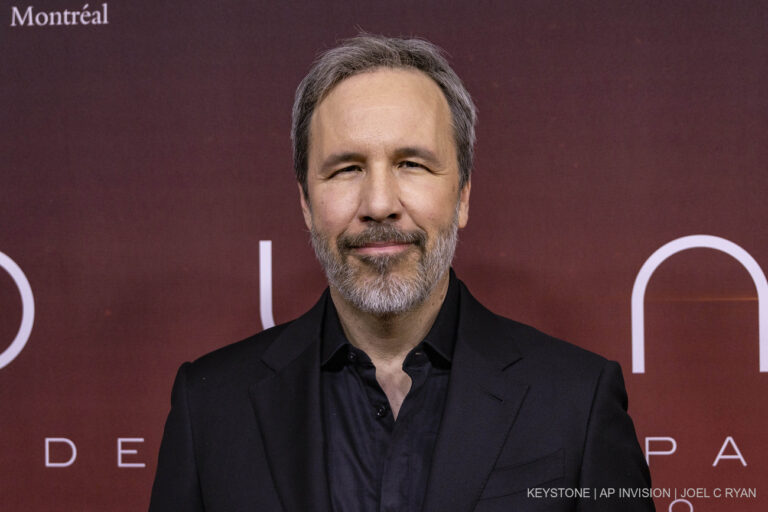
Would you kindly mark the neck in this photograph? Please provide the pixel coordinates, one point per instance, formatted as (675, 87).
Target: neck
(388, 339)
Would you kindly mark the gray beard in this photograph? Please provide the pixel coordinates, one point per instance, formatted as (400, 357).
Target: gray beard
(372, 287)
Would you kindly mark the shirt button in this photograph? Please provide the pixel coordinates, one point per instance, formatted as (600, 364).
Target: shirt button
(351, 356)
(382, 411)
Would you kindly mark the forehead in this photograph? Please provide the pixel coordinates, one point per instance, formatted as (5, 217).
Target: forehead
(382, 105)
(405, 84)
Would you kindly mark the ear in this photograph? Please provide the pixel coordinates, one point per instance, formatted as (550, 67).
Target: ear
(464, 203)
(305, 210)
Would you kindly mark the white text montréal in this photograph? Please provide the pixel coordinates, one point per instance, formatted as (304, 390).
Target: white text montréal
(84, 16)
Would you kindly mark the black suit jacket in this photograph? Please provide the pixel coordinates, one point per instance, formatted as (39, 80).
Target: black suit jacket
(524, 410)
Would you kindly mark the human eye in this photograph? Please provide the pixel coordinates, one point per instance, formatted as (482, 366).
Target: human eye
(345, 170)
(410, 164)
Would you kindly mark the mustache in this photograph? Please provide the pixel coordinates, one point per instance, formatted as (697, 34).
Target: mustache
(381, 233)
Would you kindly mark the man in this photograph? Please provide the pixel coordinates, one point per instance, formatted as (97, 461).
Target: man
(398, 391)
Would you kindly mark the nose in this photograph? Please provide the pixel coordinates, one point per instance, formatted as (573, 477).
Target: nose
(380, 196)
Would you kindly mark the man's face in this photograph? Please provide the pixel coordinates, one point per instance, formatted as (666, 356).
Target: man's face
(383, 183)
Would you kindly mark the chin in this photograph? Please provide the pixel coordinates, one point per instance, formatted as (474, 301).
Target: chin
(386, 294)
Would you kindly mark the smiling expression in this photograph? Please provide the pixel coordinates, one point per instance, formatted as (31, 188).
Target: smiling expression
(383, 200)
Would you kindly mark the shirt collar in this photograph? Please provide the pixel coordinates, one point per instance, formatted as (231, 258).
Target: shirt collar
(440, 339)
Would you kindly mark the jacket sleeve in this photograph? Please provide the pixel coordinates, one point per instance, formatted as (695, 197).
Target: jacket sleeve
(612, 458)
(176, 487)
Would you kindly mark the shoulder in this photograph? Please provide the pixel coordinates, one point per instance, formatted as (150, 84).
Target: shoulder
(501, 335)
(240, 353)
(542, 348)
(232, 364)
(256, 356)
(555, 365)
(537, 354)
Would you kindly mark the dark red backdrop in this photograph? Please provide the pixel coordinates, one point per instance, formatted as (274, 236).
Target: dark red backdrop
(143, 160)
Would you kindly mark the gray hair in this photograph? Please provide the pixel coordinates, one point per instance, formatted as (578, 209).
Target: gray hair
(364, 53)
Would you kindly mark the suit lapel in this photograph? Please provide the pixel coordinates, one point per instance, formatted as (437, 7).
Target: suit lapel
(287, 406)
(482, 403)
(483, 400)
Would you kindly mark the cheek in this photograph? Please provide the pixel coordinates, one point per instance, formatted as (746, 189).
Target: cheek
(432, 208)
(332, 214)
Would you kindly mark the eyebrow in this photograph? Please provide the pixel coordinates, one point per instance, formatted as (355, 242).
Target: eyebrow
(404, 152)
(417, 151)
(337, 158)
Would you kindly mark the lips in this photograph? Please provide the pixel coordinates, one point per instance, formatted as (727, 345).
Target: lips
(382, 248)
(381, 239)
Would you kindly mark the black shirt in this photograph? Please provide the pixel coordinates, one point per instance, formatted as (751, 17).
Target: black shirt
(374, 463)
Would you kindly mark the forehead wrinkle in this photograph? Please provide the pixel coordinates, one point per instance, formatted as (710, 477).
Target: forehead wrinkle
(373, 125)
(363, 88)
(372, 106)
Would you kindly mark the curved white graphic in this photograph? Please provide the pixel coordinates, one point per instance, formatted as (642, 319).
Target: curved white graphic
(682, 244)
(27, 310)
(265, 283)
(680, 500)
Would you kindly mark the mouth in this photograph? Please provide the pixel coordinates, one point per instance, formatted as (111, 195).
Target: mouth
(382, 243)
(383, 248)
